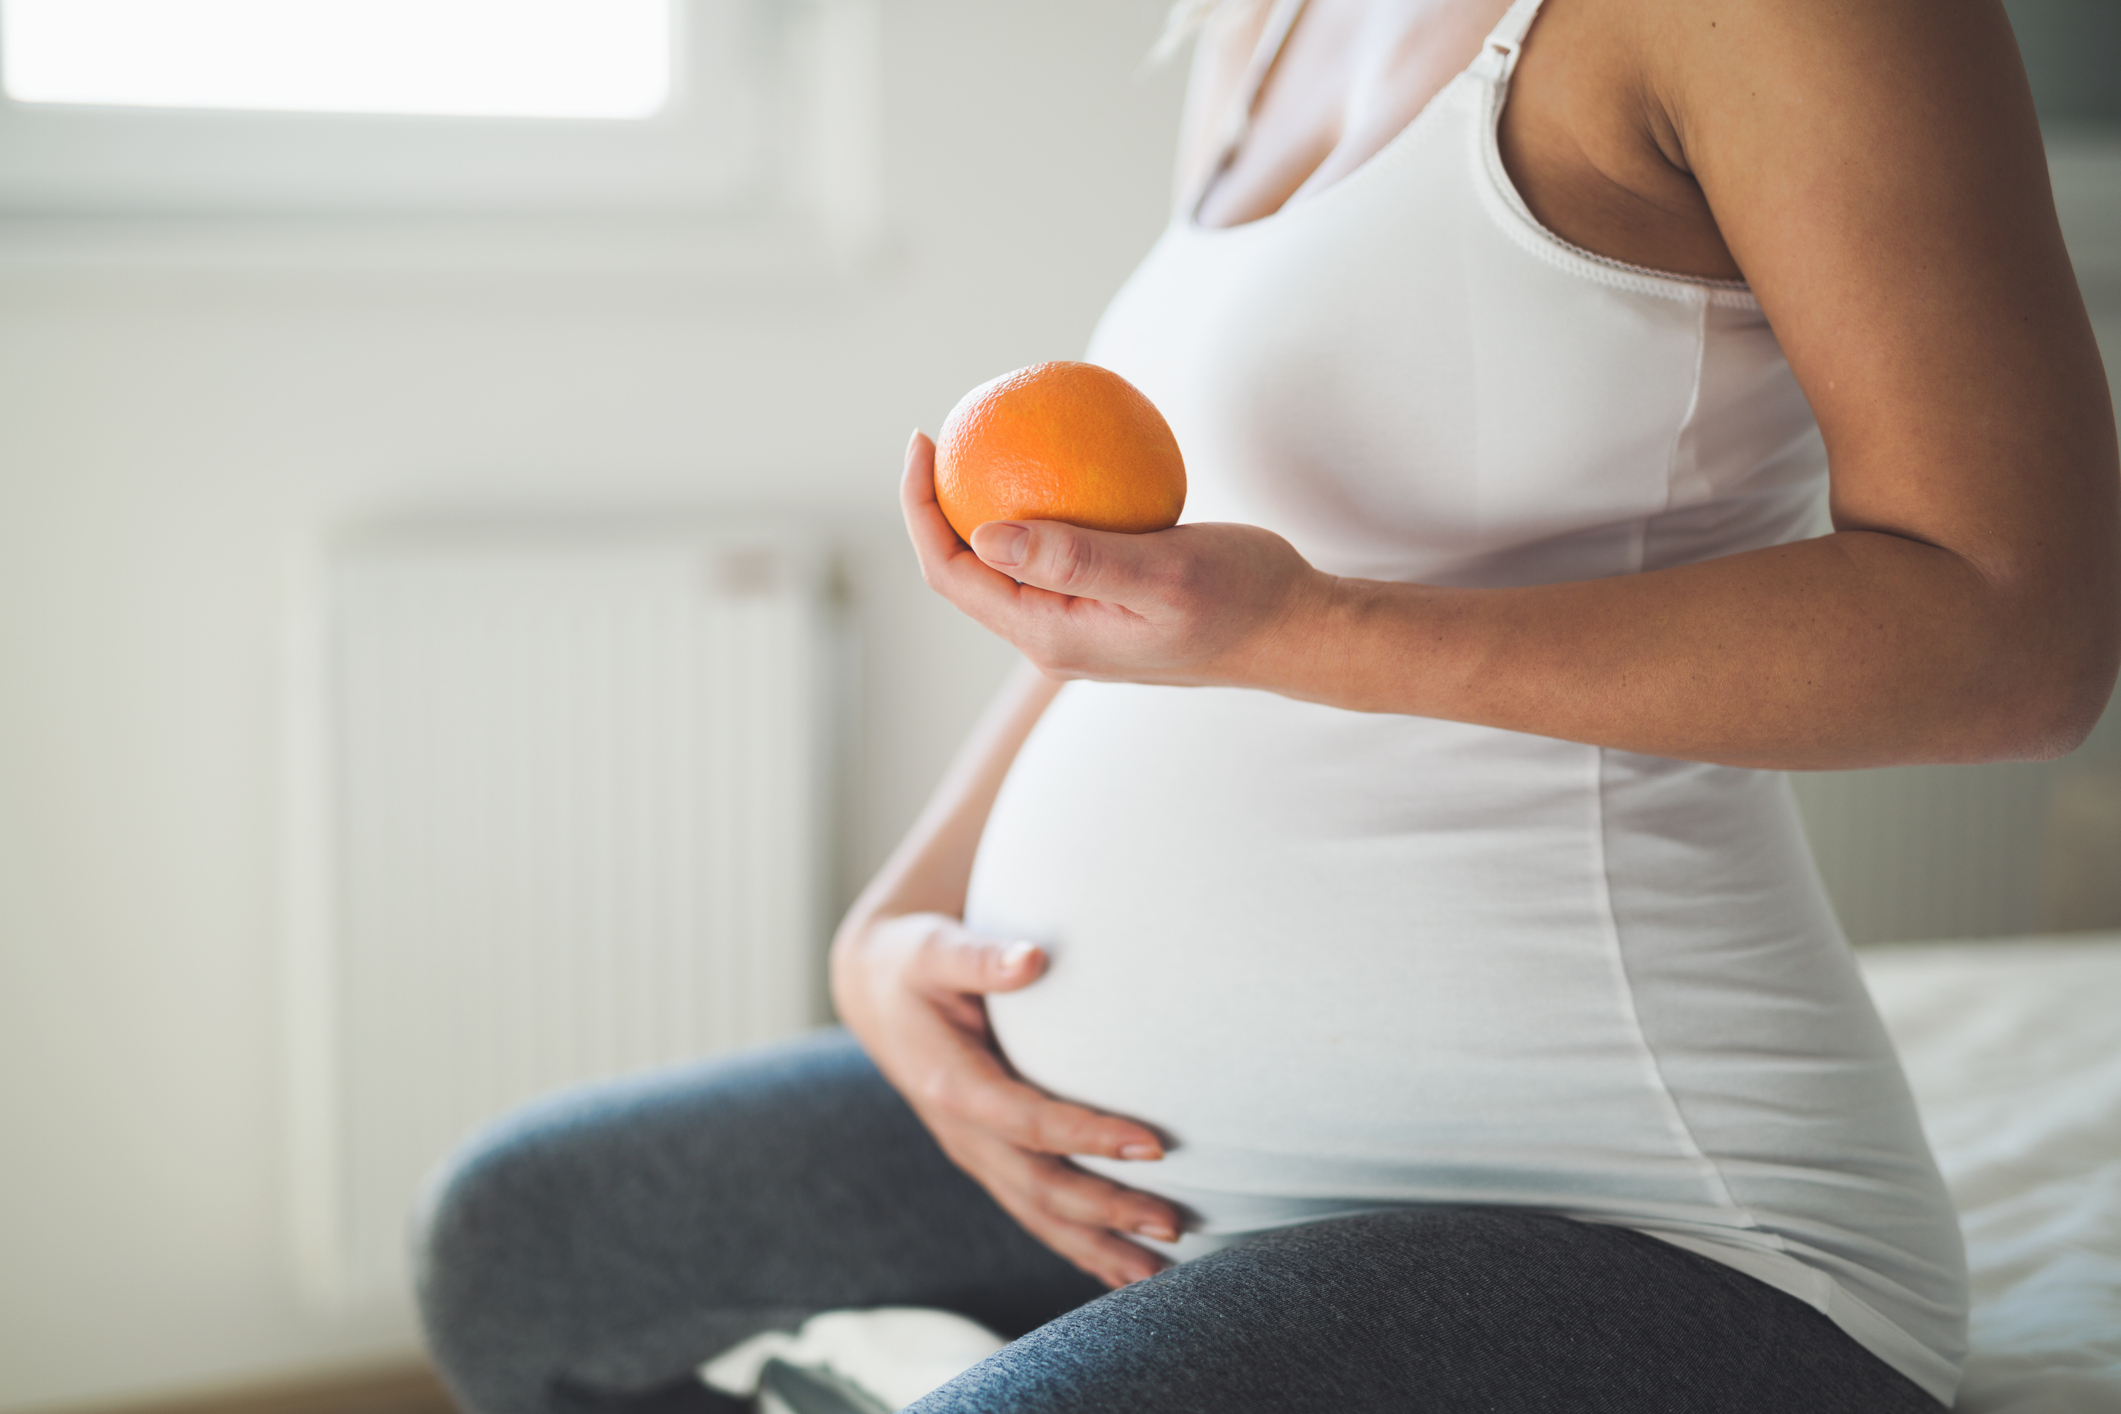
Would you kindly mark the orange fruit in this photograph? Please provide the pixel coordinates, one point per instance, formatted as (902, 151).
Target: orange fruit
(1059, 441)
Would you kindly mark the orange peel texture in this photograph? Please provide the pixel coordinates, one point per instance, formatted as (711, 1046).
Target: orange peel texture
(1059, 441)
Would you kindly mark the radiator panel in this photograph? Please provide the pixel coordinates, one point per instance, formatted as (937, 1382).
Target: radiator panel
(569, 823)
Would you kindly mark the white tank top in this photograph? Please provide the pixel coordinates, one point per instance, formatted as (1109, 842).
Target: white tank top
(1346, 961)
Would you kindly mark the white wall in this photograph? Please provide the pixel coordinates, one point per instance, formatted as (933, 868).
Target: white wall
(164, 438)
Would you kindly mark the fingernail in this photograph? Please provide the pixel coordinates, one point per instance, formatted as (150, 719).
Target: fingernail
(1000, 543)
(1161, 1232)
(1017, 954)
(1141, 1153)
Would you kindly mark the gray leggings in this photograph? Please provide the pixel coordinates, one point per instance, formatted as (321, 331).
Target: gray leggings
(586, 1253)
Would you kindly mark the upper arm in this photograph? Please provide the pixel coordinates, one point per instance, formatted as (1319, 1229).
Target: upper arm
(1876, 168)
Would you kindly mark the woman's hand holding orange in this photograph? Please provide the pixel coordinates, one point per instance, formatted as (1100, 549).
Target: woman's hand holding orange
(1199, 605)
(910, 988)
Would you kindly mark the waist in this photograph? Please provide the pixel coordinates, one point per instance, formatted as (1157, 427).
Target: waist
(1313, 945)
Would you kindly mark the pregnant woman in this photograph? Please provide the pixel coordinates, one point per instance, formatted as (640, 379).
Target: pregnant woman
(1391, 960)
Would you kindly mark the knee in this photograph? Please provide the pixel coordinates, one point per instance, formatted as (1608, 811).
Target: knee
(480, 1233)
(463, 1197)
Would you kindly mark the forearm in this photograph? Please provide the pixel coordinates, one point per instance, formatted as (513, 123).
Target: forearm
(932, 865)
(1853, 650)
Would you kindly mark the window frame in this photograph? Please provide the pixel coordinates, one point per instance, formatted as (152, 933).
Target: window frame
(764, 156)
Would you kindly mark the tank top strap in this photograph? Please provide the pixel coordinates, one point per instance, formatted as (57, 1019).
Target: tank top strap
(1498, 56)
(1272, 40)
(1238, 123)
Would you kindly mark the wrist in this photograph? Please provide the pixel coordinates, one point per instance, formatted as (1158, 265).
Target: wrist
(1308, 651)
(850, 961)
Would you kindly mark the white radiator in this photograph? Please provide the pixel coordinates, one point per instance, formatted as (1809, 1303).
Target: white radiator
(559, 813)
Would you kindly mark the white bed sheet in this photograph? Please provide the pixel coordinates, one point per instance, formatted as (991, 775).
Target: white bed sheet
(2014, 1052)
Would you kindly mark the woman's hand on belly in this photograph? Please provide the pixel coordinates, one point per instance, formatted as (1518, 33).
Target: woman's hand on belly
(910, 988)
(1197, 605)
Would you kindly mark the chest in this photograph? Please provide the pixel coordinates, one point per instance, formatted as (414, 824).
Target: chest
(1410, 378)
(1389, 380)
(1324, 85)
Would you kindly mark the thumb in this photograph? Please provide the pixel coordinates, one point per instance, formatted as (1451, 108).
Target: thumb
(1067, 559)
(954, 960)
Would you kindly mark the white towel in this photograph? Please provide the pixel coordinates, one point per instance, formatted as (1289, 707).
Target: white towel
(897, 1353)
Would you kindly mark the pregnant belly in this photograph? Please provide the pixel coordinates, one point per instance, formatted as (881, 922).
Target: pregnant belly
(1332, 957)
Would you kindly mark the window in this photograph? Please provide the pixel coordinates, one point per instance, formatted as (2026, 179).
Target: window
(483, 123)
(466, 58)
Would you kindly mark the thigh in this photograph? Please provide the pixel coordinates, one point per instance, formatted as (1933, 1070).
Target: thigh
(1438, 1312)
(608, 1239)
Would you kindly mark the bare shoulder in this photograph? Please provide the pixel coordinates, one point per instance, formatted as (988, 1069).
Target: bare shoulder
(1873, 160)
(1876, 170)
(1780, 56)
(1642, 128)
(1876, 83)
(1910, 114)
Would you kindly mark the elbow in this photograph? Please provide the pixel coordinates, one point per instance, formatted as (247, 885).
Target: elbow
(2073, 713)
(2033, 651)
(2048, 730)
(2052, 693)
